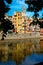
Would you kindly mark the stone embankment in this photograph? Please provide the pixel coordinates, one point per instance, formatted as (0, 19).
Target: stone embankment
(22, 36)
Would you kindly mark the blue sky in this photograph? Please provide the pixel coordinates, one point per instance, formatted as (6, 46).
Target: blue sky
(17, 5)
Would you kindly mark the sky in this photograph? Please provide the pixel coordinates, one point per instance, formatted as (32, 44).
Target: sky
(17, 5)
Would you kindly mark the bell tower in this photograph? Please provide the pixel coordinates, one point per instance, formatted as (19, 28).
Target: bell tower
(23, 11)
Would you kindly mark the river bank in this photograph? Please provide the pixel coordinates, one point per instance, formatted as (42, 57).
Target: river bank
(22, 36)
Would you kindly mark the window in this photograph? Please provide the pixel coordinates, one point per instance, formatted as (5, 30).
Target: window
(15, 15)
(19, 24)
(19, 14)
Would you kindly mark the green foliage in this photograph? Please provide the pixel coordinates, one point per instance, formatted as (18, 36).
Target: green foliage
(34, 5)
(0, 28)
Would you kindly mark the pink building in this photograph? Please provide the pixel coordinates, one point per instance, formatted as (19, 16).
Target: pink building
(41, 31)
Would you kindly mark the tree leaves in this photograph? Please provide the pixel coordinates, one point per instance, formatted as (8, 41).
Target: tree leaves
(34, 5)
(9, 1)
(5, 24)
(3, 8)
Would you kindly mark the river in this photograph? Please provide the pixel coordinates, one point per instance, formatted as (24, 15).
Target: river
(21, 52)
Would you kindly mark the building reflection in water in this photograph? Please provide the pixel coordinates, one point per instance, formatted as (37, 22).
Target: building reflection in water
(17, 50)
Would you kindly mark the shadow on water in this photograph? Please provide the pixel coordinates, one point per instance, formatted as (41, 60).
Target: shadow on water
(21, 52)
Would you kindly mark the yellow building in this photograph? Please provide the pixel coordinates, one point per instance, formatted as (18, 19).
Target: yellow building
(17, 21)
(20, 21)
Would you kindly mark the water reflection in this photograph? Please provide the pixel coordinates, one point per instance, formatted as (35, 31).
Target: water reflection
(19, 50)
